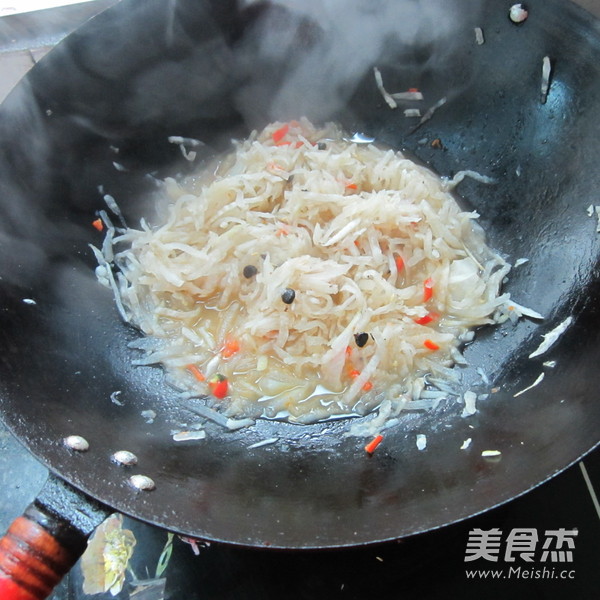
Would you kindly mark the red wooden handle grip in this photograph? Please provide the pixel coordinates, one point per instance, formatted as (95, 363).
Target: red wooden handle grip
(33, 557)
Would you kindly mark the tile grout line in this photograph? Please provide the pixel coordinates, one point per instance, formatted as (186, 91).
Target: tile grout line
(590, 487)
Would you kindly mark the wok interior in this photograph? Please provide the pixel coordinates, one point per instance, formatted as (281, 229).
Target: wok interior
(145, 70)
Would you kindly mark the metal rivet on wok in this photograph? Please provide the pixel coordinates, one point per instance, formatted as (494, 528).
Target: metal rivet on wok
(125, 458)
(142, 482)
(76, 442)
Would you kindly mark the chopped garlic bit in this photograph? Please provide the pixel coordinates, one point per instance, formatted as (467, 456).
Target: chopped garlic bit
(490, 453)
(470, 408)
(479, 36)
(412, 112)
(186, 436)
(466, 444)
(233, 424)
(149, 415)
(421, 441)
(30, 301)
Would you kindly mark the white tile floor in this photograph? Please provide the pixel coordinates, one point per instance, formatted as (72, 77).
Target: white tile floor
(12, 7)
(13, 65)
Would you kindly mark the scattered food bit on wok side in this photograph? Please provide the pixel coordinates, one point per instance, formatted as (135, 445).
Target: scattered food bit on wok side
(518, 13)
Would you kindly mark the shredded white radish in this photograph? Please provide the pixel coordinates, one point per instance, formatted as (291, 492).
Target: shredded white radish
(546, 70)
(551, 337)
(318, 277)
(538, 380)
(429, 113)
(523, 310)
(187, 436)
(386, 96)
(177, 139)
(114, 207)
(452, 183)
(410, 95)
(262, 443)
(470, 399)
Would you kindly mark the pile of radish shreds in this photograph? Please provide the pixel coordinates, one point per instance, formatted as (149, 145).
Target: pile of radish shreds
(389, 278)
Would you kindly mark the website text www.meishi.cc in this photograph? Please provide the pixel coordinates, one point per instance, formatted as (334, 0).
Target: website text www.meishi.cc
(525, 552)
(521, 573)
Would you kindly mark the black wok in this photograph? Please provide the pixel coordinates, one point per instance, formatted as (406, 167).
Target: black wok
(146, 69)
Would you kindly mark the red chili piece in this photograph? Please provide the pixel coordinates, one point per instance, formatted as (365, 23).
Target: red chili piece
(218, 385)
(280, 133)
(431, 345)
(372, 445)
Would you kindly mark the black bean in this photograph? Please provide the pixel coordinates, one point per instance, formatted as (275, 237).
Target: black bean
(361, 339)
(321, 146)
(288, 295)
(249, 271)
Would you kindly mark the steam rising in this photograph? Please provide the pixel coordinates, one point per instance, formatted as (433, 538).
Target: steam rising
(23, 228)
(319, 52)
(352, 37)
(145, 71)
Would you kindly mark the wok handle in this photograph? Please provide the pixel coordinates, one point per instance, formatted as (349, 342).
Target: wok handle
(38, 549)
